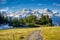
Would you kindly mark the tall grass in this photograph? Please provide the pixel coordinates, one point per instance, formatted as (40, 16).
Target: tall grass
(48, 33)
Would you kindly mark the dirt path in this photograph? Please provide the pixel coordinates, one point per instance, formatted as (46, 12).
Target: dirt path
(35, 36)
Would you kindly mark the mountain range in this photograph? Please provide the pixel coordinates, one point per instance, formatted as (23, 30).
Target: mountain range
(27, 12)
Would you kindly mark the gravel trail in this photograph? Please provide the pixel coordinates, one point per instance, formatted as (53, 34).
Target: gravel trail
(35, 35)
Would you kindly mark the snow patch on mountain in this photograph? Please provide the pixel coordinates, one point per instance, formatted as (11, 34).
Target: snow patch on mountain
(27, 12)
(56, 20)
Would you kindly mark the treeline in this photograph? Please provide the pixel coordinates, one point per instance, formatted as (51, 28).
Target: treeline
(3, 20)
(24, 22)
(30, 21)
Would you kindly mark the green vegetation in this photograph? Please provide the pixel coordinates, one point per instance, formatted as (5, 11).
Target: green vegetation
(30, 21)
(48, 33)
(2, 20)
(45, 20)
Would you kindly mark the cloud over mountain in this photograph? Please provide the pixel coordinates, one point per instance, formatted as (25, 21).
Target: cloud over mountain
(55, 4)
(5, 9)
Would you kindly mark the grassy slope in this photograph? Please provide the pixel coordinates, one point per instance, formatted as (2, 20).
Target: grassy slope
(48, 33)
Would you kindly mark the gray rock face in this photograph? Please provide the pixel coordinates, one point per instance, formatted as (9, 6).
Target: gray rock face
(56, 20)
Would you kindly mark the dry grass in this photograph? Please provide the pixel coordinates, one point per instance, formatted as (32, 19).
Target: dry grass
(48, 33)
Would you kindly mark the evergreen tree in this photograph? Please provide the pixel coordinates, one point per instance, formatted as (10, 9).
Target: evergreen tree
(20, 21)
(1, 18)
(25, 20)
(15, 22)
(45, 20)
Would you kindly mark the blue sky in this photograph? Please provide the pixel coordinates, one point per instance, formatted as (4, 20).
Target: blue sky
(15, 5)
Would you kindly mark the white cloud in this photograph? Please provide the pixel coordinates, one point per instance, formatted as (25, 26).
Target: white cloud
(5, 9)
(3, 1)
(55, 11)
(55, 4)
(13, 7)
(40, 4)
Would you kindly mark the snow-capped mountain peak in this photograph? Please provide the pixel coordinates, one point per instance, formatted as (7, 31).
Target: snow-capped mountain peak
(47, 10)
(27, 12)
